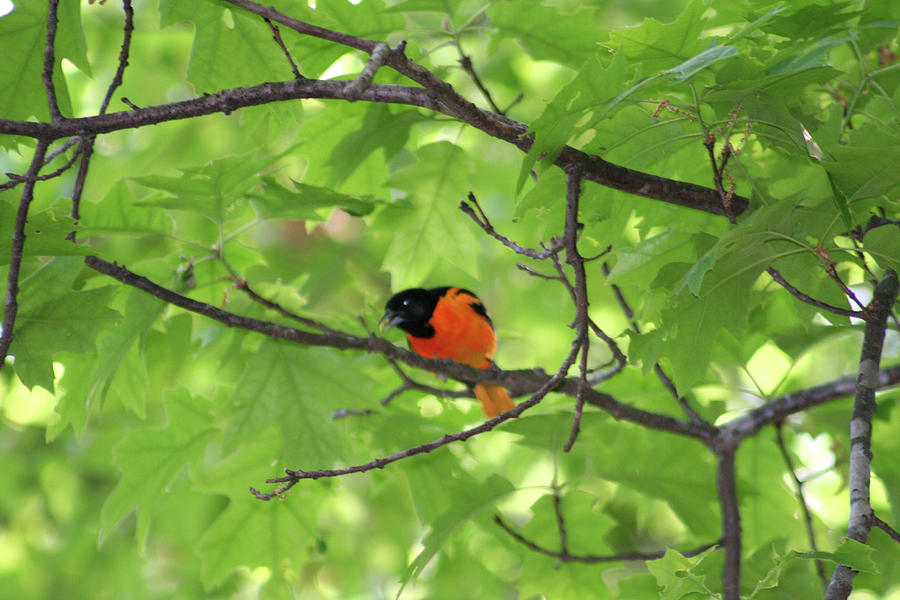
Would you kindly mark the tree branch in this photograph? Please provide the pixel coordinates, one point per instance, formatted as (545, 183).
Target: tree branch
(50, 60)
(294, 477)
(894, 535)
(809, 299)
(11, 303)
(276, 35)
(437, 95)
(114, 84)
(482, 221)
(731, 524)
(466, 63)
(576, 261)
(566, 556)
(355, 88)
(731, 434)
(801, 500)
(861, 516)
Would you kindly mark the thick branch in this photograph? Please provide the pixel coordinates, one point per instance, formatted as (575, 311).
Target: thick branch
(518, 382)
(731, 525)
(860, 473)
(732, 433)
(436, 95)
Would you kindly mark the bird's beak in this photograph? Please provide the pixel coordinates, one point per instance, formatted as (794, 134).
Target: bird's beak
(388, 320)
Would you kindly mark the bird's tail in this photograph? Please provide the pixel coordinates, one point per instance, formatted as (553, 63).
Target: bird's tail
(494, 399)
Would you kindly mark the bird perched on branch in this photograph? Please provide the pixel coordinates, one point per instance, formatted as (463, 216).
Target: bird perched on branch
(450, 322)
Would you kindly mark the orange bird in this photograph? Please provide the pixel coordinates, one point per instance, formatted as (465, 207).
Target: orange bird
(450, 322)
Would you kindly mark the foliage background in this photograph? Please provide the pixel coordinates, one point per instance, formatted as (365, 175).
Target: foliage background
(141, 426)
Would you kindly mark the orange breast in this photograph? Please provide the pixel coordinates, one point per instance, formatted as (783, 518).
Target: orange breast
(461, 333)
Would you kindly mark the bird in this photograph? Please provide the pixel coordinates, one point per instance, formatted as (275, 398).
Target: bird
(450, 322)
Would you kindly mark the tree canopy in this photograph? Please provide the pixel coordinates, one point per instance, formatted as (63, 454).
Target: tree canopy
(682, 217)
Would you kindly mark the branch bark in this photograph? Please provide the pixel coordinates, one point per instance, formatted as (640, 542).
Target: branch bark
(861, 517)
(11, 302)
(731, 525)
(518, 382)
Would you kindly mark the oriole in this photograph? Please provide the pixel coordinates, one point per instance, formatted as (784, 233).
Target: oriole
(450, 322)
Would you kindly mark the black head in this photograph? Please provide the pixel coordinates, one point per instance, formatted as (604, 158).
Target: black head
(410, 310)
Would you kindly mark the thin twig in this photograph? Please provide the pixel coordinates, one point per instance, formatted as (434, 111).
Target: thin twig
(466, 63)
(592, 558)
(861, 516)
(276, 35)
(886, 528)
(242, 285)
(16, 179)
(114, 84)
(535, 273)
(124, 51)
(50, 60)
(482, 221)
(560, 520)
(719, 171)
(294, 477)
(579, 291)
(410, 384)
(780, 280)
(801, 499)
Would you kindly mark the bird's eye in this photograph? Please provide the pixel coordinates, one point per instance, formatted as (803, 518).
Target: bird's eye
(406, 302)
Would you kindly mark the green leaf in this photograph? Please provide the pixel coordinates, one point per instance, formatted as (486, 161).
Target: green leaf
(864, 168)
(660, 467)
(658, 47)
(469, 501)
(595, 89)
(152, 457)
(305, 201)
(546, 32)
(87, 382)
(381, 129)
(812, 20)
(224, 41)
(853, 554)
(640, 264)
(296, 388)
(432, 229)
(697, 63)
(210, 190)
(45, 233)
(252, 533)
(691, 323)
(24, 34)
(678, 576)
(53, 318)
(118, 212)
